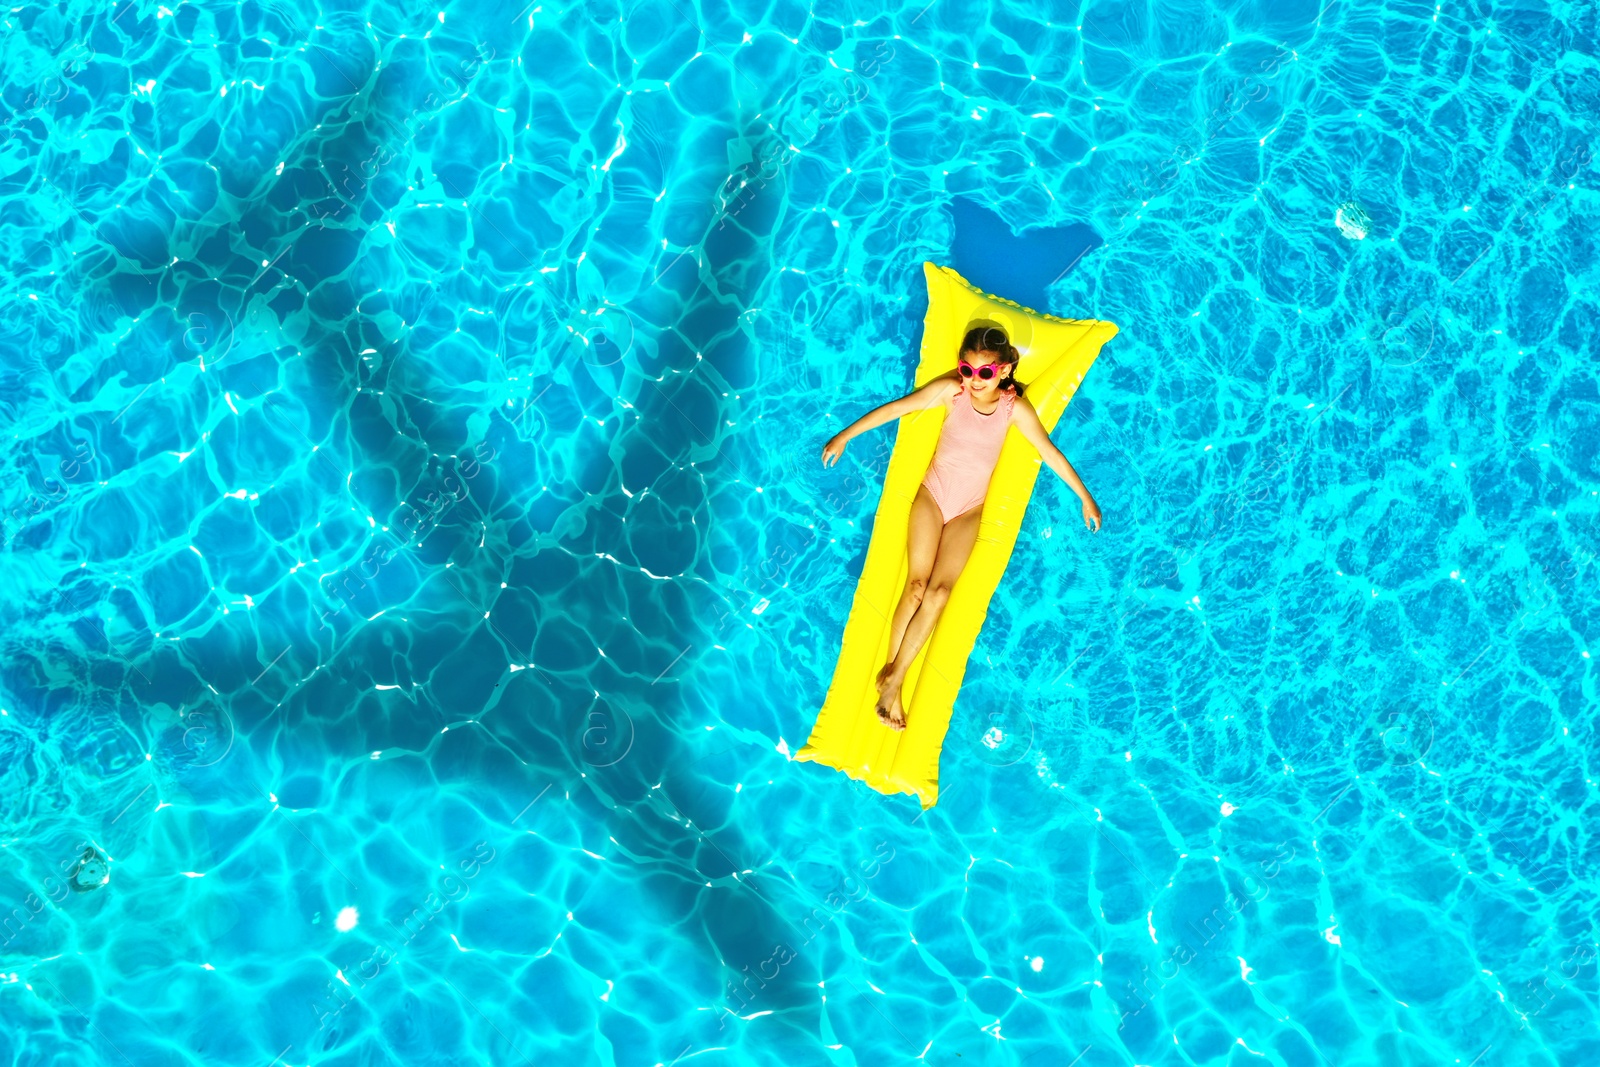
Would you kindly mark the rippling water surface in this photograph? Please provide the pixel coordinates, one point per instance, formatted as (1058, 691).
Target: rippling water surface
(418, 569)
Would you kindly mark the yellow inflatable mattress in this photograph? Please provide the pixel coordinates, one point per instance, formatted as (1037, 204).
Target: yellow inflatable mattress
(848, 735)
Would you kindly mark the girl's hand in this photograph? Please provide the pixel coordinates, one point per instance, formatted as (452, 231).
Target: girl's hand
(833, 449)
(1091, 514)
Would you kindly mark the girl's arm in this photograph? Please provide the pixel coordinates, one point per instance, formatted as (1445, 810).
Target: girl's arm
(937, 391)
(1026, 420)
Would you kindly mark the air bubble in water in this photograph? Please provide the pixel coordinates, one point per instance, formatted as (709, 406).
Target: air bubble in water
(1352, 221)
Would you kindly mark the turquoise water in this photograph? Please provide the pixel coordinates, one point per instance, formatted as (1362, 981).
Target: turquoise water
(418, 569)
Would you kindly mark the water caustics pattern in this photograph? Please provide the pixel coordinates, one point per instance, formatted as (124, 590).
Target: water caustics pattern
(418, 568)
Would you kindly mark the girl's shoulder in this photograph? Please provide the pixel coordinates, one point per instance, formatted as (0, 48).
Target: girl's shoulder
(937, 391)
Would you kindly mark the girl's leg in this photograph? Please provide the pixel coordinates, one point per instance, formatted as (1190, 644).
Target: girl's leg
(922, 543)
(955, 547)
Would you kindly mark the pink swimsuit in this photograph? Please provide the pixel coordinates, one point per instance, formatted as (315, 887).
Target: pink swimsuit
(969, 448)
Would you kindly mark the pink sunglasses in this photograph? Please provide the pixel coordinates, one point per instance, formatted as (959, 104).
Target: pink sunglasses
(987, 371)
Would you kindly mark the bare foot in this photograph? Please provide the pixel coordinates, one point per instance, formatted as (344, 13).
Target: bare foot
(890, 710)
(882, 679)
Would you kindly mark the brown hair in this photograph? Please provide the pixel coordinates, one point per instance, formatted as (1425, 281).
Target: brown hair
(994, 339)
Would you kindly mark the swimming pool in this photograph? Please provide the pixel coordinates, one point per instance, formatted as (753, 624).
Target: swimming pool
(419, 571)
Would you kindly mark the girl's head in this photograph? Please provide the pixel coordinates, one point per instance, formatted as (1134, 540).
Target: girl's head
(987, 350)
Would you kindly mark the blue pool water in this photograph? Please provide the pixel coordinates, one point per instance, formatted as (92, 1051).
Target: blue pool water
(418, 569)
